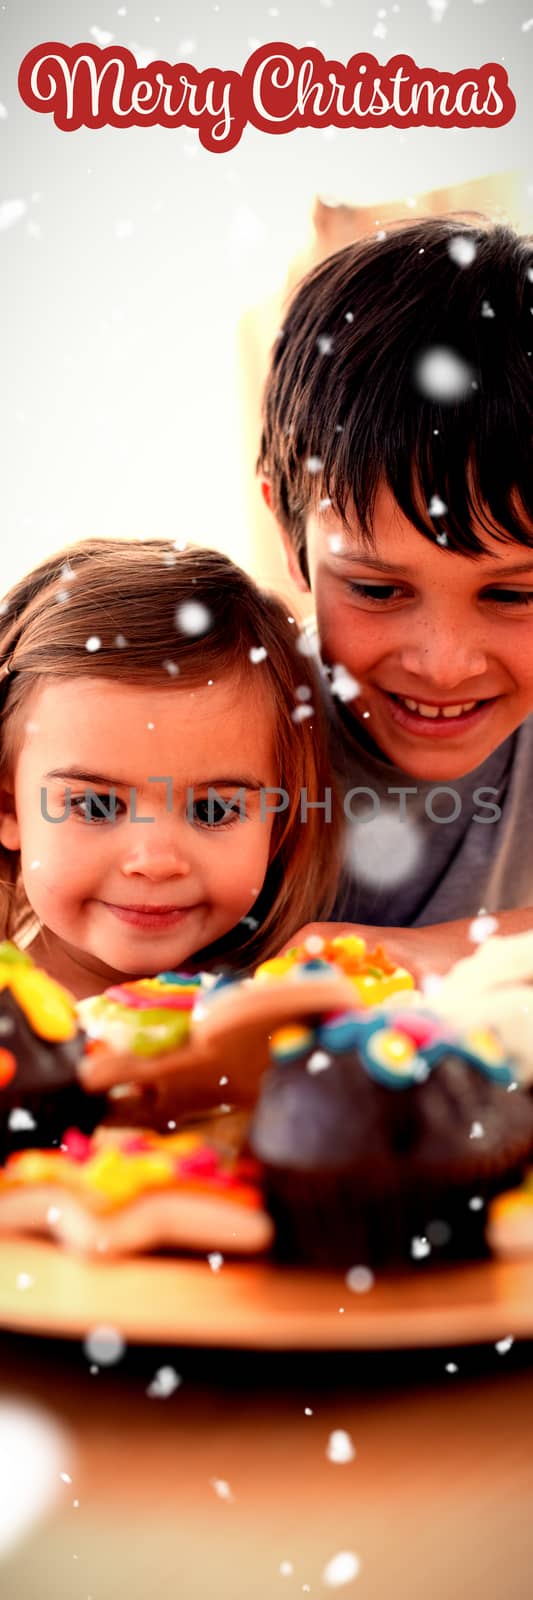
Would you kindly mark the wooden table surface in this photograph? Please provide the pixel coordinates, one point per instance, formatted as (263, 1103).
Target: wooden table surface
(436, 1502)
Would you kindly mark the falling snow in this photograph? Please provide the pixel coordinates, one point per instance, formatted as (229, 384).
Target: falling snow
(221, 1488)
(301, 713)
(215, 1259)
(314, 465)
(342, 1568)
(105, 1345)
(384, 850)
(193, 618)
(24, 1280)
(32, 1446)
(359, 1280)
(482, 928)
(101, 37)
(340, 1447)
(437, 507)
(420, 1247)
(504, 1345)
(164, 1383)
(441, 374)
(342, 684)
(93, 643)
(20, 1121)
(318, 1061)
(257, 654)
(477, 1131)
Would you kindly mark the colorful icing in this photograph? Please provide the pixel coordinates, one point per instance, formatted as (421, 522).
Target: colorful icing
(48, 1008)
(145, 1016)
(396, 1050)
(373, 976)
(111, 1176)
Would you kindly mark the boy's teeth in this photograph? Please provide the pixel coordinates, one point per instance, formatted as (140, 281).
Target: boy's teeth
(438, 711)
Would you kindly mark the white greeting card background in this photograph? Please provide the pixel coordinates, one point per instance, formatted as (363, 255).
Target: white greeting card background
(128, 255)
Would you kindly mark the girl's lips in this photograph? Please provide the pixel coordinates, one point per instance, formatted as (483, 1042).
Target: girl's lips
(152, 920)
(435, 727)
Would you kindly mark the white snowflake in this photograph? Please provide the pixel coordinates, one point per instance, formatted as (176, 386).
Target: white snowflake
(104, 1344)
(340, 1447)
(192, 618)
(437, 507)
(482, 928)
(318, 1062)
(384, 850)
(359, 1280)
(342, 684)
(341, 1569)
(257, 654)
(420, 1247)
(221, 1488)
(93, 643)
(441, 374)
(20, 1120)
(164, 1383)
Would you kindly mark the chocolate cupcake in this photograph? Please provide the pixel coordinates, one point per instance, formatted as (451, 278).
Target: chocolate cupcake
(41, 1044)
(383, 1137)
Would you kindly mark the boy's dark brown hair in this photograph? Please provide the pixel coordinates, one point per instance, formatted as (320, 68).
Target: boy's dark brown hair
(126, 593)
(342, 410)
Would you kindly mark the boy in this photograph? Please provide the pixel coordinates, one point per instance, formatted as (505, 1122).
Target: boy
(396, 458)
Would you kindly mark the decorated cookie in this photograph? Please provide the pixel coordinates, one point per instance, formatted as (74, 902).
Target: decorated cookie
(128, 1193)
(371, 974)
(41, 1045)
(145, 1017)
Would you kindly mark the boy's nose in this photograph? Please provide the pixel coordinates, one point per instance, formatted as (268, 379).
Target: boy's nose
(443, 661)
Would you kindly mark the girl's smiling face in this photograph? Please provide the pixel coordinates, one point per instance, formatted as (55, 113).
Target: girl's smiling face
(440, 644)
(164, 876)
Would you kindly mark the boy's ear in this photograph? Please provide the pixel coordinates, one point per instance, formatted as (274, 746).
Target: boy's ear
(295, 571)
(9, 826)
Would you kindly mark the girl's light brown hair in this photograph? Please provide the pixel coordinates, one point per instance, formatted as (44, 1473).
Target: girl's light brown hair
(127, 595)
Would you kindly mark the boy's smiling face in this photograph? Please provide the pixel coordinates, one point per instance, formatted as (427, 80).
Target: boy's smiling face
(425, 631)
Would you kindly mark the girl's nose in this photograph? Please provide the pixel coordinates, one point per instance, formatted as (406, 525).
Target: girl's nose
(156, 858)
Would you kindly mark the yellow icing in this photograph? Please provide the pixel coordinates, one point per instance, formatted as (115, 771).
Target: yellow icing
(48, 1007)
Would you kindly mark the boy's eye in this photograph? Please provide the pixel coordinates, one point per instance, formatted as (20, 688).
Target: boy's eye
(94, 806)
(510, 597)
(212, 813)
(375, 591)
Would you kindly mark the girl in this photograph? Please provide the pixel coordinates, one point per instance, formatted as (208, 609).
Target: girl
(161, 749)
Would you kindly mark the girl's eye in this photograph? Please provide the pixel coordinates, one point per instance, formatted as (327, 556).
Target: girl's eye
(212, 813)
(375, 591)
(93, 806)
(510, 597)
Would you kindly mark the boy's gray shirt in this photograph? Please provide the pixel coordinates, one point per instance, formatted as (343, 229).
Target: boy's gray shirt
(482, 857)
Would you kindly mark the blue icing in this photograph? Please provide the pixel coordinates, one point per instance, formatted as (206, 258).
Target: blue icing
(352, 1031)
(178, 980)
